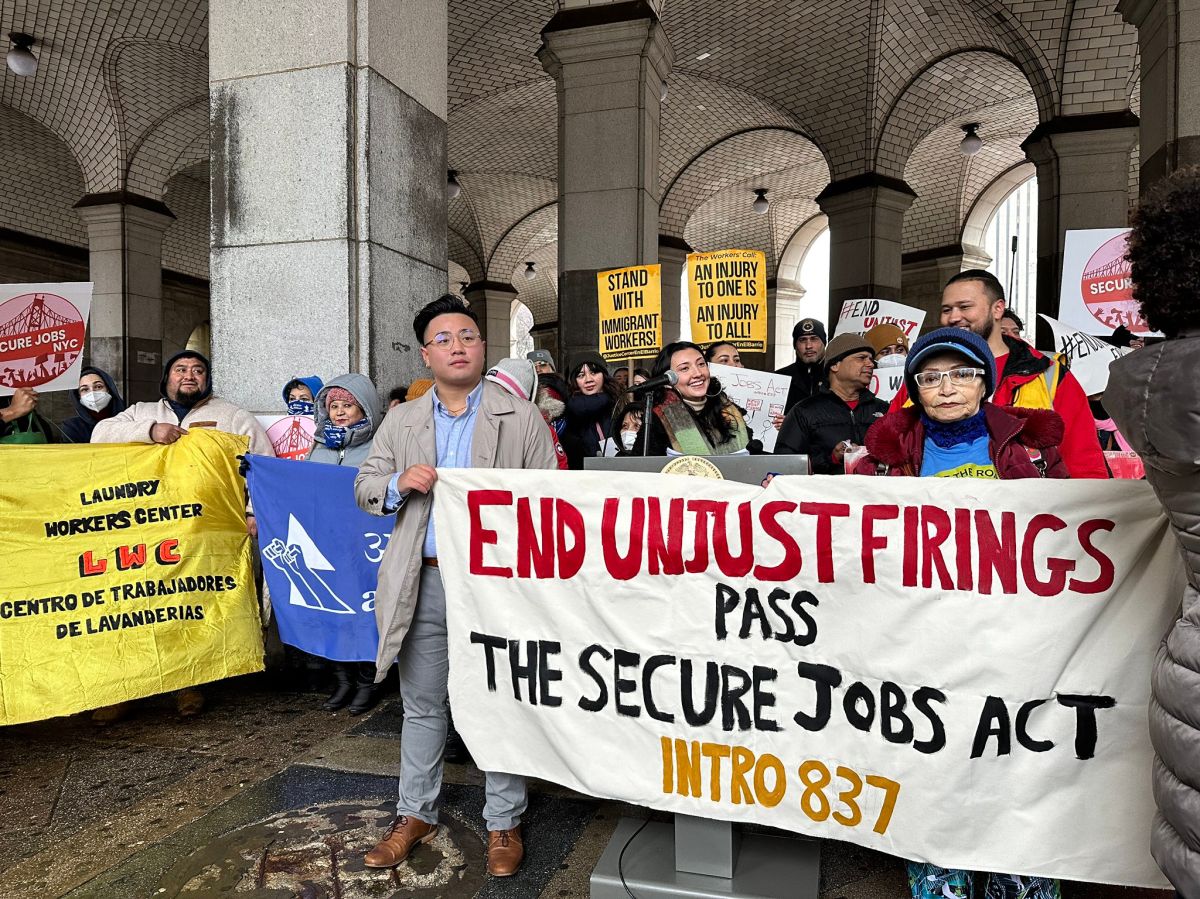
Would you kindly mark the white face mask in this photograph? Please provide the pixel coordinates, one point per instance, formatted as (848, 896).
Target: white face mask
(96, 400)
(894, 360)
(628, 438)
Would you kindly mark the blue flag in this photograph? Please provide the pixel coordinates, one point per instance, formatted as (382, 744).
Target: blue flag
(320, 556)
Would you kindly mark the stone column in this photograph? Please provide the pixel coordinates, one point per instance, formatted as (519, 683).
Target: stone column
(866, 222)
(492, 302)
(1083, 182)
(925, 273)
(125, 339)
(1169, 40)
(672, 256)
(783, 311)
(328, 188)
(609, 62)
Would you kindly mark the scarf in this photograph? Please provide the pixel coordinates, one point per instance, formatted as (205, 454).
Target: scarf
(336, 438)
(687, 437)
(955, 433)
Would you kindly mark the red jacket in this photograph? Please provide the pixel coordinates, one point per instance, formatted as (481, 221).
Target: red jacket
(1080, 447)
(896, 443)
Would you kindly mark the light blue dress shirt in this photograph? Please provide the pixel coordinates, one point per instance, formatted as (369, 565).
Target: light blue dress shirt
(453, 435)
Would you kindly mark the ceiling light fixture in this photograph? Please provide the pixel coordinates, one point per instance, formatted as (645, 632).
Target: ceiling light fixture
(530, 271)
(761, 204)
(21, 60)
(453, 188)
(662, 91)
(972, 143)
(462, 286)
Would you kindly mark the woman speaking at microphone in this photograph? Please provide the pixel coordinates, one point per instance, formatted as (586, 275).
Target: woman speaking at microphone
(694, 417)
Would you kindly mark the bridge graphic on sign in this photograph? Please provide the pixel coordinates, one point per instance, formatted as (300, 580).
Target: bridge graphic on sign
(41, 336)
(299, 559)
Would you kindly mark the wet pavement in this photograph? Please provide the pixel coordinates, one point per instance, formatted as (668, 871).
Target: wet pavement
(266, 796)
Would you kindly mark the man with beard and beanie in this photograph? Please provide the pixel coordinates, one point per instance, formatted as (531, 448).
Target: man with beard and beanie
(464, 421)
(807, 372)
(825, 426)
(1028, 379)
(187, 402)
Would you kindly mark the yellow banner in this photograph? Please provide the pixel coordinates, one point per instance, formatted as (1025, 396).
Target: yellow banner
(727, 292)
(127, 573)
(630, 312)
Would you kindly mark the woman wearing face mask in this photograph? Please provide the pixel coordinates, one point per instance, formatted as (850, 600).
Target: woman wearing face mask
(300, 395)
(628, 415)
(348, 410)
(589, 409)
(694, 417)
(96, 399)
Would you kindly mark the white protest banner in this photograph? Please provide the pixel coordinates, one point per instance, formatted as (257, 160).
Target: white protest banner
(42, 332)
(761, 394)
(1089, 357)
(1097, 290)
(860, 316)
(951, 671)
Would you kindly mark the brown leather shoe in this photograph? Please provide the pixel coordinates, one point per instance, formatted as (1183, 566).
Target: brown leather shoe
(505, 852)
(404, 834)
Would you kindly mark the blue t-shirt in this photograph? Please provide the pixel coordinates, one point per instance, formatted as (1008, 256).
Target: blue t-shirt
(968, 459)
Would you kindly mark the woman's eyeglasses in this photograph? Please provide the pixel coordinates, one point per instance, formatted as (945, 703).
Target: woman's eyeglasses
(928, 379)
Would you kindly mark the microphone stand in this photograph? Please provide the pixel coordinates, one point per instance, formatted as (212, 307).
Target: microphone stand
(649, 406)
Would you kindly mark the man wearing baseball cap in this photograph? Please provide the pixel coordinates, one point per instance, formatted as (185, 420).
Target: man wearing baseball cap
(543, 362)
(834, 421)
(807, 372)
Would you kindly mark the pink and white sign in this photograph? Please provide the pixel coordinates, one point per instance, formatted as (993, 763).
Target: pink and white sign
(43, 330)
(1096, 296)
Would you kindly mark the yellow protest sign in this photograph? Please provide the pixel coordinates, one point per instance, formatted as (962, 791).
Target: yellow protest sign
(630, 312)
(727, 292)
(127, 572)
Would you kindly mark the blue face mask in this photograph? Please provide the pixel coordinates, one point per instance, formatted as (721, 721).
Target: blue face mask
(335, 438)
(301, 407)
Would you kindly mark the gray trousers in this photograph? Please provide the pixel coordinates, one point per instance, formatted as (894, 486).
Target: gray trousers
(424, 668)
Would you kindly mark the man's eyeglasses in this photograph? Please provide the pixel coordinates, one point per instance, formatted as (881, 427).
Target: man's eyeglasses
(929, 379)
(443, 340)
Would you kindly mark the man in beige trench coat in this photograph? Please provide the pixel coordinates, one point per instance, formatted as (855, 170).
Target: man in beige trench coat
(463, 422)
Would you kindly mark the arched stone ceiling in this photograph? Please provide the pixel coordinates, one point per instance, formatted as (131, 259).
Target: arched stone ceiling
(185, 242)
(947, 183)
(493, 45)
(541, 294)
(81, 98)
(972, 81)
(796, 165)
(40, 181)
(536, 230)
(513, 131)
(1100, 57)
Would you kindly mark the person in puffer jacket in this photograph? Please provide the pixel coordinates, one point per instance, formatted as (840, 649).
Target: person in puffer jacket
(1154, 396)
(348, 411)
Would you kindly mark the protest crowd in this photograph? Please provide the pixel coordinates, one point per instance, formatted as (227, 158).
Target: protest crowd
(977, 400)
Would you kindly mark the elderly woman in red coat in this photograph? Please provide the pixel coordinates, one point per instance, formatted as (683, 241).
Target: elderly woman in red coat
(952, 431)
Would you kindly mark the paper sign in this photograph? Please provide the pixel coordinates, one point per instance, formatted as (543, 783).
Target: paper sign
(42, 332)
(760, 394)
(860, 316)
(1088, 357)
(291, 436)
(630, 312)
(727, 292)
(1097, 288)
(886, 382)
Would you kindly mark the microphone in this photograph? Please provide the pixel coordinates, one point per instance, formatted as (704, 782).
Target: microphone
(667, 379)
